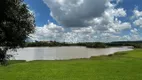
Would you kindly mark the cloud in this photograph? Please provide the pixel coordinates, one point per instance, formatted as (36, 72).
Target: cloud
(109, 21)
(48, 32)
(137, 13)
(75, 13)
(137, 16)
(134, 31)
(119, 1)
(135, 37)
(85, 21)
(138, 22)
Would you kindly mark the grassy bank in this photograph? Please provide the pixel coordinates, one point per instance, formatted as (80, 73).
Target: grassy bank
(120, 66)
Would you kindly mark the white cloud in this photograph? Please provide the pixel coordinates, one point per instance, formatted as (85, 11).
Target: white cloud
(120, 12)
(138, 22)
(134, 31)
(135, 37)
(119, 1)
(137, 16)
(48, 32)
(109, 21)
(124, 26)
(87, 20)
(137, 13)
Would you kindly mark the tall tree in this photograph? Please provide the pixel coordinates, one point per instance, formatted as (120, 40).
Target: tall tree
(16, 23)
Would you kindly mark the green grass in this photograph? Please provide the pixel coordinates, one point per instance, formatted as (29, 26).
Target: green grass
(135, 54)
(120, 66)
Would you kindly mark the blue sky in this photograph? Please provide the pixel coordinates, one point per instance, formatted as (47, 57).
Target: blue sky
(127, 28)
(41, 10)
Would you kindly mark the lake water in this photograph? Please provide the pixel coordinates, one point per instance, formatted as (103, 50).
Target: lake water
(62, 53)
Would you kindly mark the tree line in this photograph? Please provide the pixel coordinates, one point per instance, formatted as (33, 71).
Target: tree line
(135, 44)
(54, 44)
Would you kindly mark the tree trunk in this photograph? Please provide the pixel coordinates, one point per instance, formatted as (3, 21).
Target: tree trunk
(3, 56)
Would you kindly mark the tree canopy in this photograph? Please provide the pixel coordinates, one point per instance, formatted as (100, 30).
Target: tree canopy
(16, 23)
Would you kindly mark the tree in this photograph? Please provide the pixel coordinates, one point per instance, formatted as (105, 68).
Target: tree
(16, 23)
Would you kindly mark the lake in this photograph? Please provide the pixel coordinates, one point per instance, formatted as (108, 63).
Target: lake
(62, 53)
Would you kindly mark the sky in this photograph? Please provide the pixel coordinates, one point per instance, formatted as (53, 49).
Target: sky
(86, 20)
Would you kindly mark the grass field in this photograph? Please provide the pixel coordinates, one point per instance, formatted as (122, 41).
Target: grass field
(120, 66)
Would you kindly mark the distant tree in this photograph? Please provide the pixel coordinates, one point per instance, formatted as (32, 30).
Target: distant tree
(96, 45)
(16, 23)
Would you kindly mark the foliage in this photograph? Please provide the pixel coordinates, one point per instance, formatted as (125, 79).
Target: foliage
(16, 23)
(96, 45)
(135, 44)
(54, 44)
